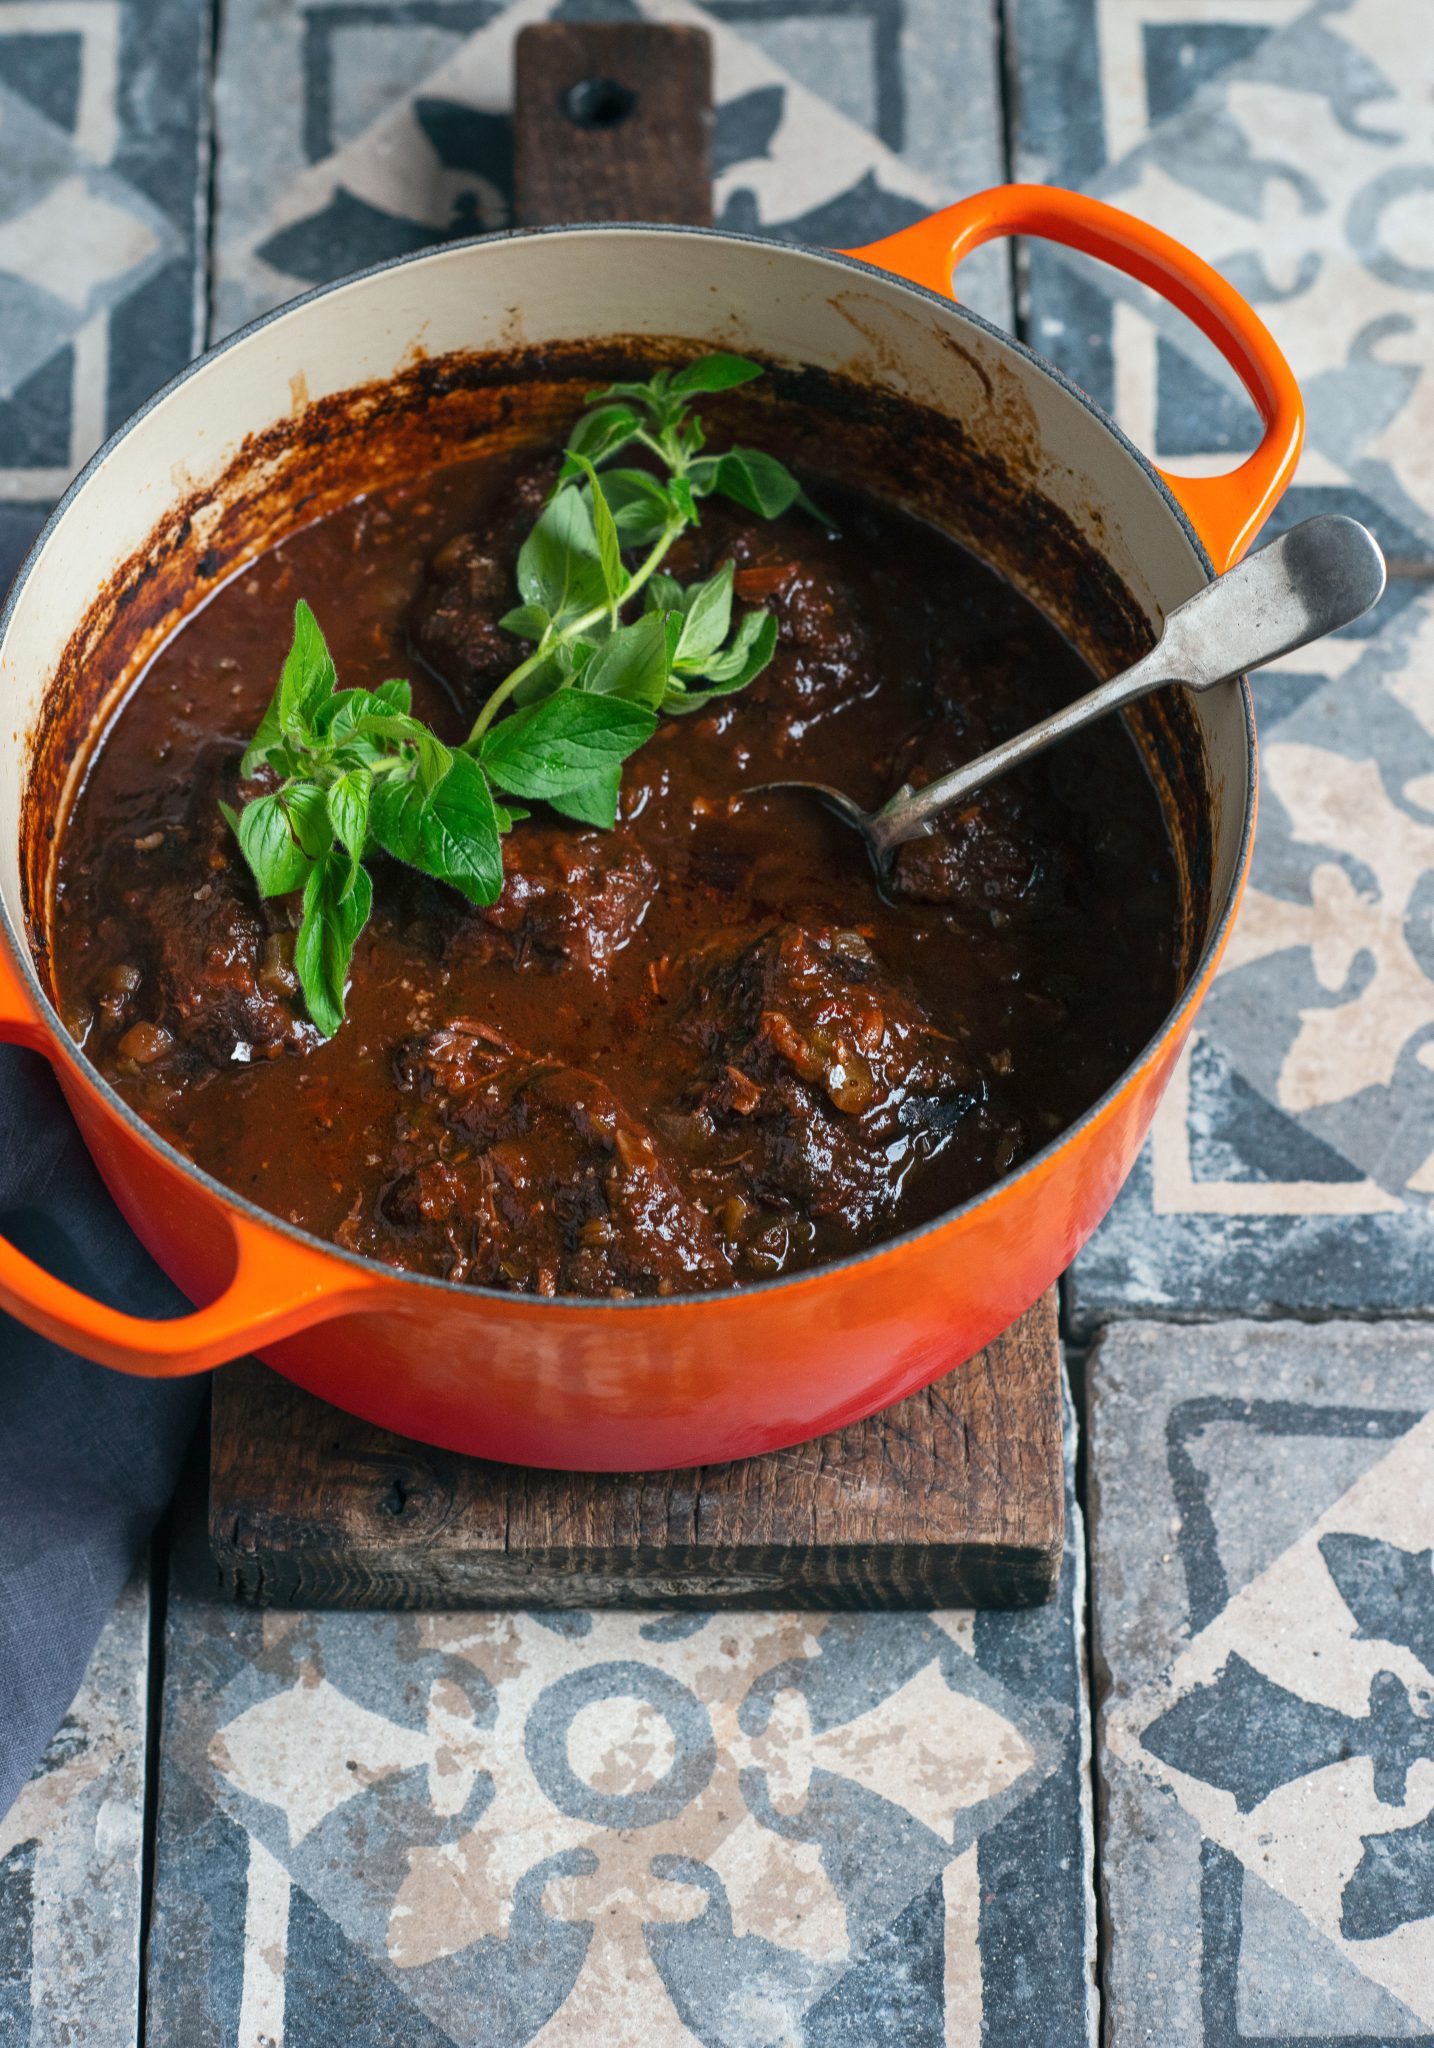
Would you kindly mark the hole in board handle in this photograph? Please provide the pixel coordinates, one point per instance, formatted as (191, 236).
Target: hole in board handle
(598, 103)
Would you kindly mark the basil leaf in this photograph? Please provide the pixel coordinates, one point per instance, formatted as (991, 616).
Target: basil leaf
(451, 832)
(753, 646)
(397, 695)
(757, 481)
(551, 673)
(434, 761)
(709, 614)
(556, 746)
(348, 805)
(266, 839)
(432, 757)
(394, 816)
(631, 663)
(614, 576)
(680, 492)
(308, 817)
(646, 395)
(598, 435)
(592, 803)
(339, 715)
(558, 566)
(718, 372)
(725, 661)
(664, 593)
(641, 508)
(308, 674)
(270, 734)
(458, 833)
(528, 621)
(508, 815)
(335, 912)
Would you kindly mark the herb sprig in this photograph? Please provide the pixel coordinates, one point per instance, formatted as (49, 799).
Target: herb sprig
(358, 773)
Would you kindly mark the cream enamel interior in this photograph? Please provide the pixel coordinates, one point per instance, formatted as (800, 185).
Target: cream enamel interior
(784, 304)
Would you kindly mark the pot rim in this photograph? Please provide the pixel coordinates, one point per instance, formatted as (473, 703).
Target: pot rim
(60, 1045)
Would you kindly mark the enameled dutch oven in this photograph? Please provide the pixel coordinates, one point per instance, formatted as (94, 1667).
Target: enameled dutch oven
(179, 495)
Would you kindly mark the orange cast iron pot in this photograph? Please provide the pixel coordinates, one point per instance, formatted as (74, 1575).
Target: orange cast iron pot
(628, 1385)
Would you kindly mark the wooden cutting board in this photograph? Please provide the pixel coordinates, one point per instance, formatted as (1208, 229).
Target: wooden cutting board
(954, 1498)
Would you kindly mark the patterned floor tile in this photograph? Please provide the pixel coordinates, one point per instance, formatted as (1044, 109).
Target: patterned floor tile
(103, 133)
(1289, 1170)
(70, 1859)
(1263, 1578)
(624, 1831)
(1292, 1162)
(1292, 149)
(923, 57)
(300, 200)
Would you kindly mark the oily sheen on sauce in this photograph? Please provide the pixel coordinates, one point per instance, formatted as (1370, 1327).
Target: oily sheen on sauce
(699, 1051)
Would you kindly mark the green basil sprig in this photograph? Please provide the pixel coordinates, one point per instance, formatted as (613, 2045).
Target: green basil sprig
(358, 773)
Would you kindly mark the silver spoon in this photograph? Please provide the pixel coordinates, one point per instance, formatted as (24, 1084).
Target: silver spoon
(1314, 579)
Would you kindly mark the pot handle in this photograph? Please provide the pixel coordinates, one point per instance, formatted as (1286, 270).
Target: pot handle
(276, 1288)
(1226, 511)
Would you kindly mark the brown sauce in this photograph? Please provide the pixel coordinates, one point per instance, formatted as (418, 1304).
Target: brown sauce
(696, 1052)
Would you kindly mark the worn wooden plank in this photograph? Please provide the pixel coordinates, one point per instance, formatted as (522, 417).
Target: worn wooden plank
(612, 121)
(70, 1857)
(954, 1496)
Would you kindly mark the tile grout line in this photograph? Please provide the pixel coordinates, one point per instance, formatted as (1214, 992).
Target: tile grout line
(209, 173)
(1009, 86)
(160, 1543)
(1075, 1357)
(153, 1731)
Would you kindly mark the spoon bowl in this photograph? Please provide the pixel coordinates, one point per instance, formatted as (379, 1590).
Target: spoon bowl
(1321, 575)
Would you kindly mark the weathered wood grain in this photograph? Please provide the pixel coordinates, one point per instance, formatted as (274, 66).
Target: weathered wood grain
(613, 121)
(954, 1497)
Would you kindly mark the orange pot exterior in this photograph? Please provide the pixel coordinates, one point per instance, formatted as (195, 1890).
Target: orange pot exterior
(646, 1385)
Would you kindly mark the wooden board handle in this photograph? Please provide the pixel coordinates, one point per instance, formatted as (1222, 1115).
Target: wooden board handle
(612, 121)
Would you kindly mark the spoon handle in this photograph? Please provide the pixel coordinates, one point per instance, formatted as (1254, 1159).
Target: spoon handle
(1319, 576)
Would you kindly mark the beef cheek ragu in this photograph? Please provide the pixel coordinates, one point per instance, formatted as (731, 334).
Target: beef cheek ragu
(701, 1050)
(207, 976)
(571, 899)
(821, 1083)
(467, 587)
(515, 1171)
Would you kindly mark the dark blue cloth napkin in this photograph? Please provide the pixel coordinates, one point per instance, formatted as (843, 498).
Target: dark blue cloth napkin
(88, 1457)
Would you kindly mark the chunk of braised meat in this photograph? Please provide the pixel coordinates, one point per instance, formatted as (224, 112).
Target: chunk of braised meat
(225, 973)
(211, 975)
(821, 644)
(984, 854)
(823, 1084)
(812, 610)
(453, 624)
(570, 899)
(518, 1172)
